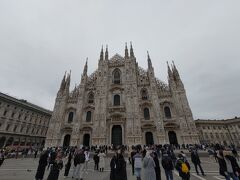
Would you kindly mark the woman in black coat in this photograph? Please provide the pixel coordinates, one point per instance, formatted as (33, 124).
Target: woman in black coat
(118, 167)
(55, 168)
(157, 166)
(68, 164)
(43, 161)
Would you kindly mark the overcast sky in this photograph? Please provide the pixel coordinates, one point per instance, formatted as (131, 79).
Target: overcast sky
(40, 40)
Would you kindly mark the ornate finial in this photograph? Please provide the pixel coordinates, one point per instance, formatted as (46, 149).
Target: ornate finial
(101, 54)
(149, 60)
(85, 67)
(131, 50)
(126, 51)
(106, 53)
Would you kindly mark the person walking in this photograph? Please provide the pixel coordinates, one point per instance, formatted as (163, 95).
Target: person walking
(2, 158)
(227, 165)
(101, 156)
(132, 159)
(43, 161)
(87, 158)
(149, 167)
(56, 167)
(68, 164)
(167, 165)
(96, 160)
(79, 160)
(183, 167)
(196, 161)
(235, 154)
(118, 167)
(157, 167)
(138, 164)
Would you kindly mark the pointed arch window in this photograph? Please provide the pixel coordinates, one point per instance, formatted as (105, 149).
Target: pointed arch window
(167, 112)
(146, 114)
(144, 94)
(116, 100)
(70, 117)
(90, 98)
(116, 76)
(89, 116)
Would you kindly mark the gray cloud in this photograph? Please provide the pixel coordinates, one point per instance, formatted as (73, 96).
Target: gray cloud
(39, 40)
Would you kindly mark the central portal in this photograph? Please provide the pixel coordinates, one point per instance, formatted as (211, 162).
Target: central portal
(117, 135)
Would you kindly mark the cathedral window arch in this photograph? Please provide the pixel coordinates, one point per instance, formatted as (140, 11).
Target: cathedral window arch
(116, 100)
(70, 117)
(146, 113)
(144, 94)
(89, 116)
(90, 98)
(167, 112)
(116, 76)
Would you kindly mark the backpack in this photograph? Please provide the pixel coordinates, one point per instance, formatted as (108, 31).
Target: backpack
(184, 168)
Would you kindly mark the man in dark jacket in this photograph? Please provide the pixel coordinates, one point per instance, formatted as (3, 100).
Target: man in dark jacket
(196, 161)
(167, 165)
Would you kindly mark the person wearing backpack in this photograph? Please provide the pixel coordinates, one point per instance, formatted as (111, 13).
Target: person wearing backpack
(167, 165)
(183, 167)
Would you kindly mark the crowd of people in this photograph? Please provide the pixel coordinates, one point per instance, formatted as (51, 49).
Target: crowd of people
(145, 161)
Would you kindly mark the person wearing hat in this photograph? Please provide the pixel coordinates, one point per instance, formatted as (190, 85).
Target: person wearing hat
(183, 167)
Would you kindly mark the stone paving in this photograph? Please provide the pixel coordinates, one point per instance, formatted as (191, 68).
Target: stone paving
(25, 169)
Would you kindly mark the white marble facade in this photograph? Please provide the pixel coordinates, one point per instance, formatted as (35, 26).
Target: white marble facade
(121, 103)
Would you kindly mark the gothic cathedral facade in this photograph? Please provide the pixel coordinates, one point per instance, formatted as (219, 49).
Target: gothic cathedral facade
(122, 104)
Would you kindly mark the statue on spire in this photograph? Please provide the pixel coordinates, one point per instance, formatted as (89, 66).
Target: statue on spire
(85, 68)
(106, 53)
(126, 52)
(101, 54)
(131, 51)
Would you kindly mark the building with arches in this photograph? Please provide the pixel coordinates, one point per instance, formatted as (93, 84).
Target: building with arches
(121, 103)
(22, 123)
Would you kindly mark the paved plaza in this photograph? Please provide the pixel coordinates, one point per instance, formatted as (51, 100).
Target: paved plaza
(25, 169)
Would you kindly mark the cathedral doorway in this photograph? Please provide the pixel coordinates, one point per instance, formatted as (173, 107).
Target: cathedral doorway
(149, 138)
(86, 140)
(172, 137)
(66, 140)
(117, 135)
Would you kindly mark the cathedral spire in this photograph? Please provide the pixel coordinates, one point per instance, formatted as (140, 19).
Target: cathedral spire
(131, 50)
(175, 71)
(68, 80)
(85, 68)
(149, 61)
(106, 53)
(126, 52)
(101, 54)
(63, 83)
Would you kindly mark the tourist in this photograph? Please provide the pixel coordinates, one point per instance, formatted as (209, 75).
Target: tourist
(87, 158)
(96, 160)
(43, 161)
(228, 166)
(132, 159)
(118, 167)
(56, 167)
(68, 164)
(138, 164)
(101, 156)
(52, 156)
(183, 167)
(149, 167)
(157, 166)
(79, 160)
(167, 165)
(1, 157)
(35, 153)
(235, 154)
(196, 161)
